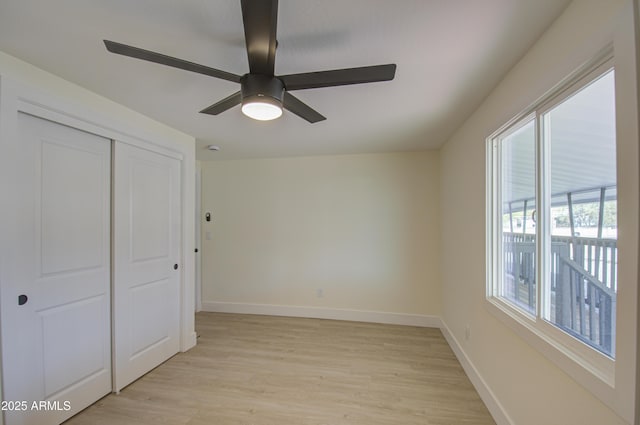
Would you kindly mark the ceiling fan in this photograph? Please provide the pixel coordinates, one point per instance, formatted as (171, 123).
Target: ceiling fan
(263, 94)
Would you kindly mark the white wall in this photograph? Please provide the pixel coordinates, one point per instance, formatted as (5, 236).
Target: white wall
(363, 228)
(527, 387)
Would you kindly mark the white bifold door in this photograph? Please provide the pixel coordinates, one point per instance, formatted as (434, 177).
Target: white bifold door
(56, 293)
(146, 261)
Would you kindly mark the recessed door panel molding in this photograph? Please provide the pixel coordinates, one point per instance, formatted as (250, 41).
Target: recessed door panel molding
(150, 326)
(150, 212)
(74, 334)
(55, 305)
(147, 248)
(70, 173)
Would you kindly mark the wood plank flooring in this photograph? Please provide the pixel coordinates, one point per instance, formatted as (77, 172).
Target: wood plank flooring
(263, 370)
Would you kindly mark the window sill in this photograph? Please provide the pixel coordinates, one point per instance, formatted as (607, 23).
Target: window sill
(591, 369)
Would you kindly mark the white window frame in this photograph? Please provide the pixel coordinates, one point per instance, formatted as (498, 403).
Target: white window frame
(494, 213)
(591, 368)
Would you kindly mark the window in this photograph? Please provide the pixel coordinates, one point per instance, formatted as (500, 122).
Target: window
(517, 186)
(552, 219)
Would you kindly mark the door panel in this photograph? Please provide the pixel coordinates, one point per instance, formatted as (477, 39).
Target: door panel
(150, 326)
(147, 246)
(69, 174)
(57, 345)
(149, 191)
(68, 358)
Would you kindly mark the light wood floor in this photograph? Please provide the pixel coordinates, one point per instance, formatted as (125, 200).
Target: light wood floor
(262, 370)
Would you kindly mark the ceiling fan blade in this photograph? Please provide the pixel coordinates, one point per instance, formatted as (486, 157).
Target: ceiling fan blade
(295, 105)
(260, 19)
(339, 77)
(147, 55)
(226, 103)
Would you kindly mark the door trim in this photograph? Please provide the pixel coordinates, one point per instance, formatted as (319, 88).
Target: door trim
(198, 242)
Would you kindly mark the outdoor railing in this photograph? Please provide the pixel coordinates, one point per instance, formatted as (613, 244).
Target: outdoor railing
(583, 284)
(585, 307)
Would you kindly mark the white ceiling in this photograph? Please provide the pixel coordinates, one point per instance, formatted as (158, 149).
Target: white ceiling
(450, 54)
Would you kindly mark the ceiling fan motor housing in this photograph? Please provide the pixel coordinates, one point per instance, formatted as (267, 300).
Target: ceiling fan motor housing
(261, 88)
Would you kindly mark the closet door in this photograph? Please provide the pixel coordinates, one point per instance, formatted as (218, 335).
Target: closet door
(146, 261)
(55, 311)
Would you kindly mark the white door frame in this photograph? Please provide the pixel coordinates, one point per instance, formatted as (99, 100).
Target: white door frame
(198, 243)
(88, 112)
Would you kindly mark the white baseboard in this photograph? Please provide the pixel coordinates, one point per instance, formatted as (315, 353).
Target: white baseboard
(488, 397)
(325, 313)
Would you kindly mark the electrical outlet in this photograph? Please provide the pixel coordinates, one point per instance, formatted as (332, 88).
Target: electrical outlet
(319, 292)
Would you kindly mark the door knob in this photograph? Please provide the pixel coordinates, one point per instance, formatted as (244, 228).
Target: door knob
(22, 299)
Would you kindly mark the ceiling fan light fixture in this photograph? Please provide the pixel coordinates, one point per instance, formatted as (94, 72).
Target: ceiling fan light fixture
(262, 108)
(261, 97)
